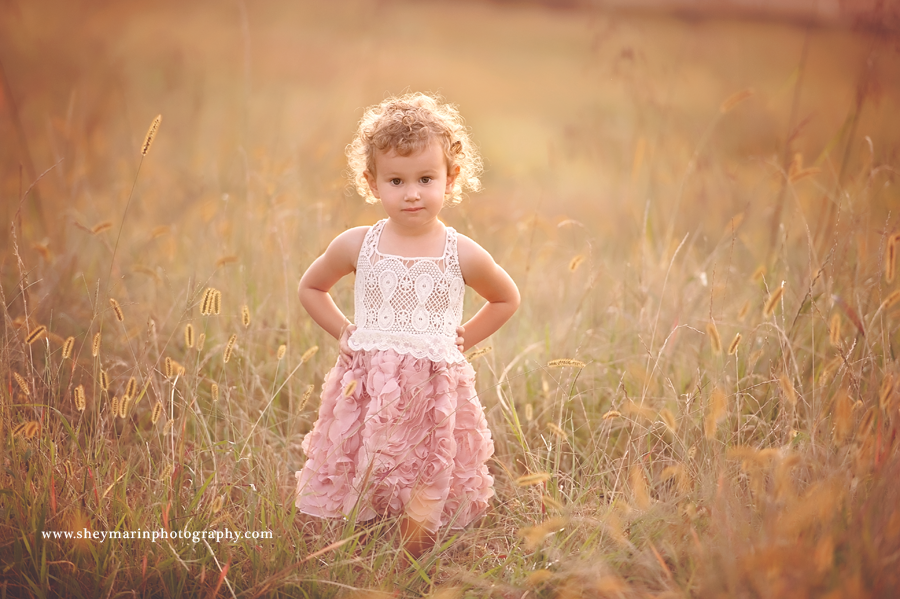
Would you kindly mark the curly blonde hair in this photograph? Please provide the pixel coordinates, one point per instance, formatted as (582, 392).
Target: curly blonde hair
(407, 124)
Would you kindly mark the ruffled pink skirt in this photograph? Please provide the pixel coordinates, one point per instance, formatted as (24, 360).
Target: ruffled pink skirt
(409, 438)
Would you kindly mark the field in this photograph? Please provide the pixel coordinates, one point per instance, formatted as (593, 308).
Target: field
(699, 396)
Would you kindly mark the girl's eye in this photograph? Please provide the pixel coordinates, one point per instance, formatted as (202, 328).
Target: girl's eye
(395, 181)
(426, 179)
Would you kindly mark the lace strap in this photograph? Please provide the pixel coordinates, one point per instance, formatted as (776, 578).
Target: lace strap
(451, 252)
(370, 241)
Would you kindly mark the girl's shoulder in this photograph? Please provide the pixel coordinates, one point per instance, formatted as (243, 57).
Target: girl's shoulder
(471, 255)
(346, 245)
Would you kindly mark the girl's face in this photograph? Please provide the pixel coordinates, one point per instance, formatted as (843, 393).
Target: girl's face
(412, 188)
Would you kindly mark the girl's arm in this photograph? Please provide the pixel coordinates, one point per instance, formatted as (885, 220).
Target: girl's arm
(492, 283)
(338, 261)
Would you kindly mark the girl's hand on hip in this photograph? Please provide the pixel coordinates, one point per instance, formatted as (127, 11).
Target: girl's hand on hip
(345, 336)
(460, 337)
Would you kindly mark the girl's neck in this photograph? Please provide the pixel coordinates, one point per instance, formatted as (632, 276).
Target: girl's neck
(426, 240)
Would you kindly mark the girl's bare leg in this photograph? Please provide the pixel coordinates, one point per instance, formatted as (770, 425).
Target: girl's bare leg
(416, 538)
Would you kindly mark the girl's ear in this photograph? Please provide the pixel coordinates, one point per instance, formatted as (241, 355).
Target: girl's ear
(452, 174)
(373, 184)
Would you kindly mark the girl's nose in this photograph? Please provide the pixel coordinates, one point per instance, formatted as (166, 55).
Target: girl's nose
(412, 194)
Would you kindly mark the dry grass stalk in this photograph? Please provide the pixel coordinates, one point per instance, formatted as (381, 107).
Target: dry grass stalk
(229, 348)
(104, 380)
(68, 346)
(214, 391)
(834, 330)
(890, 300)
(21, 382)
(282, 350)
(245, 316)
(79, 398)
(101, 226)
(189, 335)
(890, 257)
(117, 310)
(717, 408)
(735, 99)
(309, 354)
(36, 333)
(886, 392)
(561, 362)
(306, 395)
(715, 342)
(95, 346)
(772, 302)
(575, 262)
(533, 479)
(156, 413)
(733, 346)
(350, 388)
(151, 134)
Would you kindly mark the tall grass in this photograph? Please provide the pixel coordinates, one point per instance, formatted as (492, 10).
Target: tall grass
(684, 406)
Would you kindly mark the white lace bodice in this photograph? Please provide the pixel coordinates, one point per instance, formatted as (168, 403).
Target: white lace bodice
(410, 305)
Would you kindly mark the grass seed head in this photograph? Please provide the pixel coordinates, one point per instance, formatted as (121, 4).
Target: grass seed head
(886, 391)
(842, 417)
(217, 504)
(79, 398)
(245, 316)
(217, 302)
(309, 354)
(214, 391)
(715, 342)
(21, 382)
(104, 380)
(306, 395)
(612, 414)
(772, 302)
(117, 310)
(68, 346)
(639, 488)
(282, 349)
(744, 309)
(733, 346)
(201, 340)
(206, 304)
(530, 480)
(30, 429)
(557, 430)
(787, 390)
(229, 348)
(561, 362)
(95, 346)
(35, 334)
(834, 330)
(151, 134)
(114, 406)
(668, 418)
(131, 387)
(226, 260)
(124, 404)
(101, 226)
(156, 413)
(479, 352)
(735, 99)
(189, 335)
(717, 407)
(529, 412)
(575, 262)
(18, 429)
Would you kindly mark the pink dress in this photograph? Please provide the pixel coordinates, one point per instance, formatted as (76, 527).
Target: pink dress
(400, 428)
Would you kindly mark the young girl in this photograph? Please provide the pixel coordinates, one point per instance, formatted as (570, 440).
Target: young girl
(401, 431)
